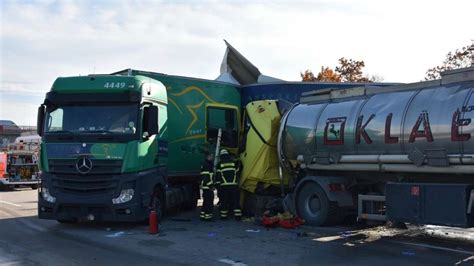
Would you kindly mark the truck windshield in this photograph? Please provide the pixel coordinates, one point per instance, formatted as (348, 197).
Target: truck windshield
(121, 119)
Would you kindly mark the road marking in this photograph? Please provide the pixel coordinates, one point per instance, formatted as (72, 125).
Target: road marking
(433, 247)
(465, 260)
(9, 203)
(231, 262)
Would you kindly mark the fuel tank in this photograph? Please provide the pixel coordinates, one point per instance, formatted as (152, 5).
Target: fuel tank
(420, 127)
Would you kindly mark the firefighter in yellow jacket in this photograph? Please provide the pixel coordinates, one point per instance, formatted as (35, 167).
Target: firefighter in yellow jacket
(207, 186)
(228, 180)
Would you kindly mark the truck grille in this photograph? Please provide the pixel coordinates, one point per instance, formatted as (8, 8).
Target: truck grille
(100, 179)
(68, 166)
(85, 184)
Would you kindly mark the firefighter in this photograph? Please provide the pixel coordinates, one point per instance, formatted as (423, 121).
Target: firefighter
(228, 176)
(207, 187)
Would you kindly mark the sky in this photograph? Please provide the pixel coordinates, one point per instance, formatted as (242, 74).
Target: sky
(42, 40)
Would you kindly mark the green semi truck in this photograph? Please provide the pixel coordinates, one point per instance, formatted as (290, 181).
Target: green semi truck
(116, 146)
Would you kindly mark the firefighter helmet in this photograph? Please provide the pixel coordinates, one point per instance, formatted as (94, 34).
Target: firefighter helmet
(223, 151)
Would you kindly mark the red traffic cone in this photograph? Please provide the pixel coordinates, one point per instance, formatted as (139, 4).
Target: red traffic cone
(153, 222)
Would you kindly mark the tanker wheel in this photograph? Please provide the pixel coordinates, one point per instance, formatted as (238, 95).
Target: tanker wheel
(313, 205)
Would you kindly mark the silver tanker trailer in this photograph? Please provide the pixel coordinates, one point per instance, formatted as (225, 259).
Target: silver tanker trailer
(403, 153)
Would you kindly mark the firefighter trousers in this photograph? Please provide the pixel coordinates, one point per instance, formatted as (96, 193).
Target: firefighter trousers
(207, 203)
(229, 201)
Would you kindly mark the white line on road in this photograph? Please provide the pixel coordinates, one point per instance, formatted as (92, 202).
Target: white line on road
(434, 247)
(231, 262)
(9, 203)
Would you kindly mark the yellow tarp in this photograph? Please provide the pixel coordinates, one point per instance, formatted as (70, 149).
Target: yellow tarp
(260, 160)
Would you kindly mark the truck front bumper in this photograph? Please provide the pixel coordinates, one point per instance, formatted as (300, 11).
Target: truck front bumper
(101, 210)
(98, 207)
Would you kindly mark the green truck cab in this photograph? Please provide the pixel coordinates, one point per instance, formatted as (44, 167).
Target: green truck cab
(116, 146)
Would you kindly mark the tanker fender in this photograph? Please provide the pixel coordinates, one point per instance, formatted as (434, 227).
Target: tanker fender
(343, 198)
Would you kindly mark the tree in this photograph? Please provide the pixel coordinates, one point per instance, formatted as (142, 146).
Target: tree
(308, 76)
(455, 59)
(328, 75)
(348, 70)
(351, 70)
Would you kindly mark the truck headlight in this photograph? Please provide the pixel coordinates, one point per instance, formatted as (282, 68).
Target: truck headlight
(125, 196)
(47, 196)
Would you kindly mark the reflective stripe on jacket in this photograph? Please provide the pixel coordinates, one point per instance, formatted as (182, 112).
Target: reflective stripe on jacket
(207, 175)
(227, 173)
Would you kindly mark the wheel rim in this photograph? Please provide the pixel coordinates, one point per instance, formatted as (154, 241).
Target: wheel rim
(313, 205)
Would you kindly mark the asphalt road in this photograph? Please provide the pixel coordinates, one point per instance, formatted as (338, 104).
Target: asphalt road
(26, 240)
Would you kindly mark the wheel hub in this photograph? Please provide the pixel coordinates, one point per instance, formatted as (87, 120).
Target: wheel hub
(313, 206)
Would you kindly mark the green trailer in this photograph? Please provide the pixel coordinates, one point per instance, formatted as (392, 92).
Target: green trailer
(116, 146)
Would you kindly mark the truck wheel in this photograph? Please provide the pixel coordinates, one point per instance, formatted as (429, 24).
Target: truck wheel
(158, 205)
(313, 205)
(34, 186)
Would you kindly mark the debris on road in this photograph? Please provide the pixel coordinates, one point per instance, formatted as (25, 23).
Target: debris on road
(285, 220)
(248, 219)
(232, 262)
(117, 234)
(270, 221)
(252, 231)
(408, 253)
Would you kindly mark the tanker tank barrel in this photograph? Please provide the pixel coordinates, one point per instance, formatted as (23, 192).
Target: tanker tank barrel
(418, 127)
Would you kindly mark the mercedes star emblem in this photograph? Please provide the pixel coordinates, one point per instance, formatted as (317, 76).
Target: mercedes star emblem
(83, 165)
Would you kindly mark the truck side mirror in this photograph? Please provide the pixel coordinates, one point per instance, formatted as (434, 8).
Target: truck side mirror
(40, 120)
(150, 120)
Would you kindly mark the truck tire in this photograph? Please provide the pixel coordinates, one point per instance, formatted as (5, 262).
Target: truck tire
(158, 204)
(313, 206)
(34, 186)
